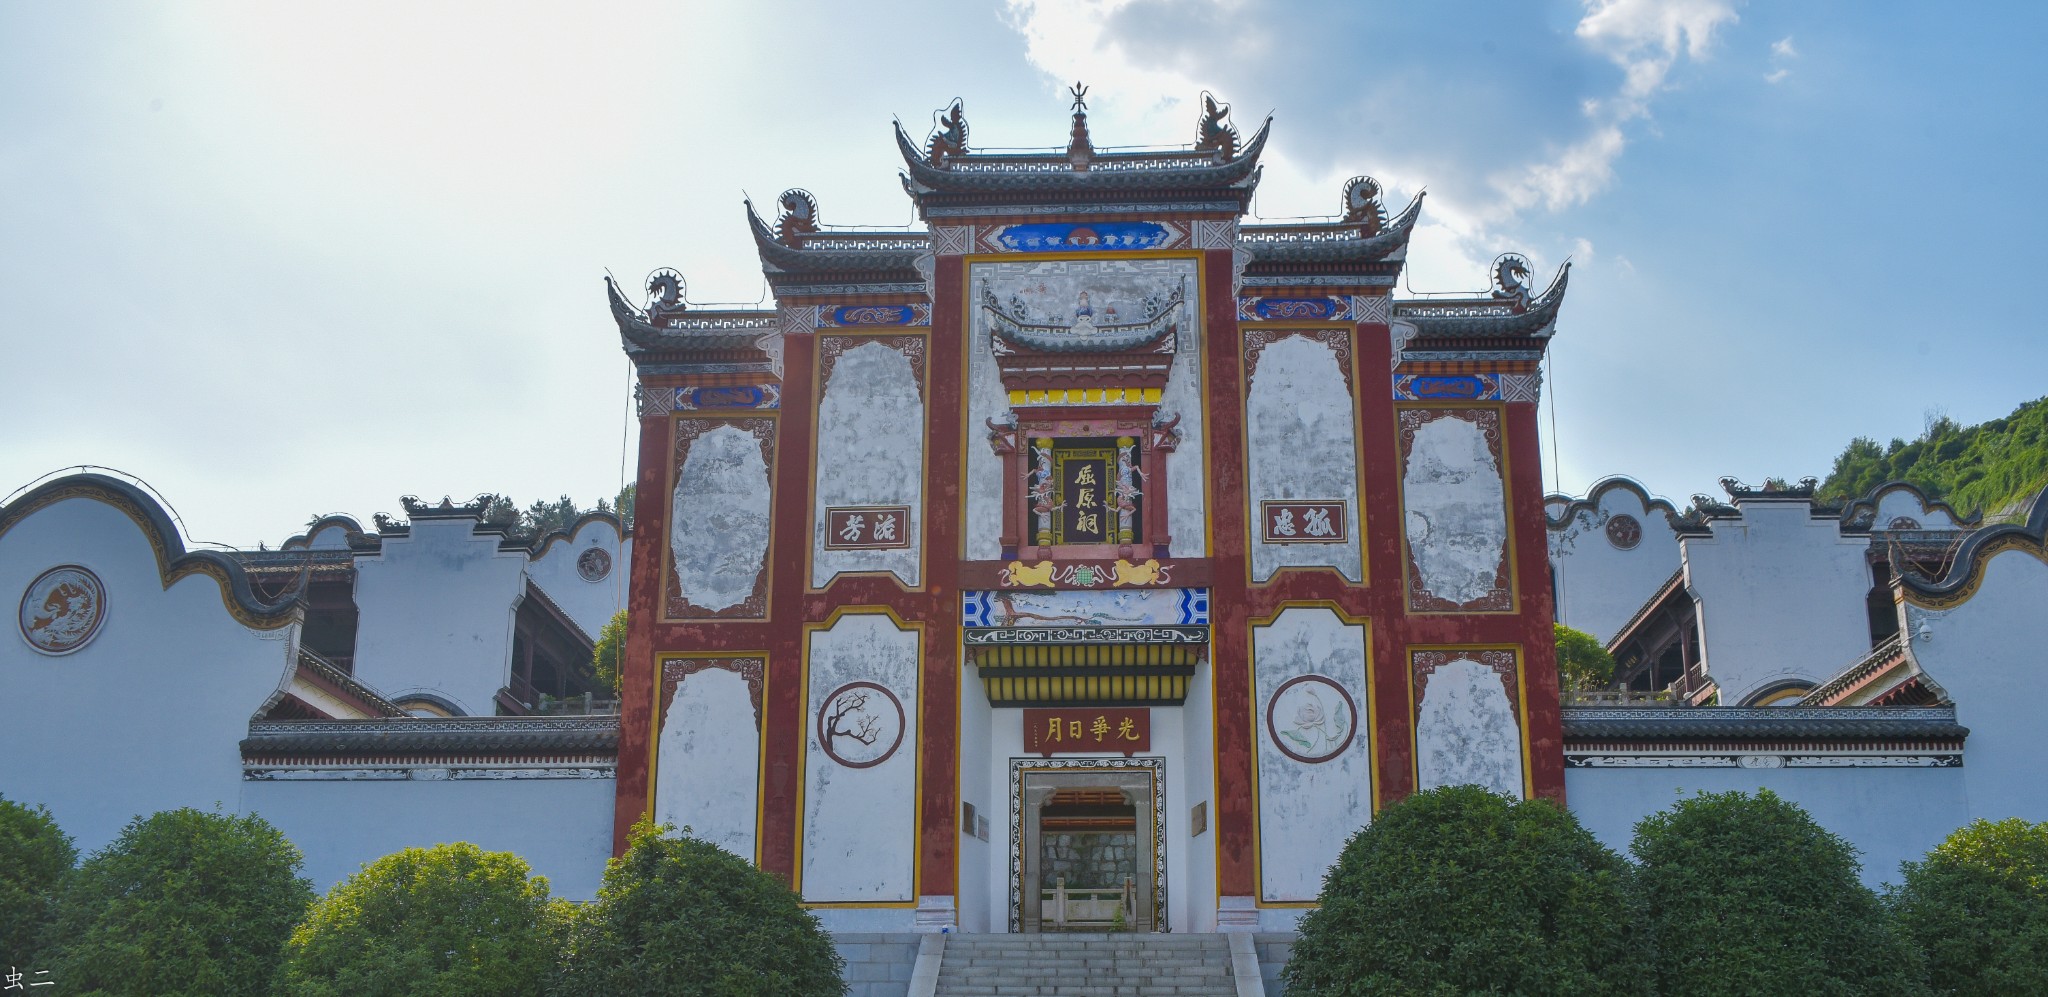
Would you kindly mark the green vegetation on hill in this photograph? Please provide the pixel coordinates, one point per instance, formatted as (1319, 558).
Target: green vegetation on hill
(1979, 469)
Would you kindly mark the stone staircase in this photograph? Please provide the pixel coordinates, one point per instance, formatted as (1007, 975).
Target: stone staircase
(1087, 965)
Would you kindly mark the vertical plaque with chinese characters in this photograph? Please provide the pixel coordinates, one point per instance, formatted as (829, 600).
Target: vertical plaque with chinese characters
(1124, 730)
(867, 527)
(1086, 475)
(1295, 522)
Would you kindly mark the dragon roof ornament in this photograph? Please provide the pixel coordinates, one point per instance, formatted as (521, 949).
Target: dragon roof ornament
(799, 217)
(949, 134)
(1212, 132)
(868, 254)
(1012, 325)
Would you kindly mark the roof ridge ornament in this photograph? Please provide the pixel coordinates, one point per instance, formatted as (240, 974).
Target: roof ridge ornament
(1080, 149)
(1362, 206)
(1212, 132)
(799, 217)
(665, 295)
(949, 134)
(1511, 278)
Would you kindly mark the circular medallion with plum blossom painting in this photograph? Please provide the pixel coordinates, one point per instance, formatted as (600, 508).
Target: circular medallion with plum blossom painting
(860, 725)
(62, 609)
(594, 564)
(1624, 532)
(1311, 718)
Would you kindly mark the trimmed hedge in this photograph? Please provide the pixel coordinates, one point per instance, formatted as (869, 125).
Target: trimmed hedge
(1747, 895)
(1978, 907)
(680, 916)
(184, 903)
(1459, 890)
(447, 921)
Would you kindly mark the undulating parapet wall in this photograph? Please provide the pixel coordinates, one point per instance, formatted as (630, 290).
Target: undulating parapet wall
(1610, 550)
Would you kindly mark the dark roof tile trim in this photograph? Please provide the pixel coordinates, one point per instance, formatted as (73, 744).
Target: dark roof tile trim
(1838, 723)
(421, 735)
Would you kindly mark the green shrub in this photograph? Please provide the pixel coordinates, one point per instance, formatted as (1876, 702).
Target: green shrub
(447, 921)
(680, 916)
(35, 855)
(1458, 890)
(183, 904)
(1978, 908)
(1747, 895)
(610, 649)
(1581, 662)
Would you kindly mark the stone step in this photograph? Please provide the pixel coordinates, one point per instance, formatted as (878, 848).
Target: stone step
(1086, 965)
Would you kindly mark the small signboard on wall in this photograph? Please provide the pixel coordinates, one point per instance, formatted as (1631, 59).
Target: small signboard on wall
(1126, 730)
(867, 527)
(1301, 522)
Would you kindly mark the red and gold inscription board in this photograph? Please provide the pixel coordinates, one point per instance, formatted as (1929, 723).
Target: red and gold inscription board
(1076, 730)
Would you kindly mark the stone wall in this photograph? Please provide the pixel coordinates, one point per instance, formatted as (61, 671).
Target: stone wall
(878, 964)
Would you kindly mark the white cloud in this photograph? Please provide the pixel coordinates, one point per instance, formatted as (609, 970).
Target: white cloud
(1781, 53)
(1646, 38)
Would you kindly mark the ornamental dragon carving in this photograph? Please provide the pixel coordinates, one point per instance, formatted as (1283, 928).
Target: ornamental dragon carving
(949, 134)
(1213, 133)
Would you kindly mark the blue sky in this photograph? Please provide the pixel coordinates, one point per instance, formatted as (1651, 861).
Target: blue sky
(287, 259)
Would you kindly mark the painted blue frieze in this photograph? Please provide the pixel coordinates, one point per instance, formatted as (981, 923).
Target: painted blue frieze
(1126, 608)
(1048, 237)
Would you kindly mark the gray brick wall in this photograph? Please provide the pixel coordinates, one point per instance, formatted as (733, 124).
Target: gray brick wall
(1273, 951)
(877, 964)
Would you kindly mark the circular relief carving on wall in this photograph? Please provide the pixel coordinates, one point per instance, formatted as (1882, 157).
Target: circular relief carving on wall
(62, 609)
(1903, 523)
(594, 564)
(1311, 719)
(860, 725)
(1624, 532)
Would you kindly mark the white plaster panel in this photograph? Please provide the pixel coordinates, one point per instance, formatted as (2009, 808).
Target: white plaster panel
(1891, 815)
(435, 613)
(860, 824)
(720, 519)
(709, 759)
(1600, 585)
(1308, 810)
(1466, 732)
(148, 714)
(1986, 653)
(1455, 510)
(870, 452)
(1899, 502)
(1303, 445)
(561, 827)
(1107, 281)
(591, 604)
(1781, 597)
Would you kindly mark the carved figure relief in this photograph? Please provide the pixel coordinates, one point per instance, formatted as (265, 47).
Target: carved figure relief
(1624, 531)
(62, 609)
(594, 564)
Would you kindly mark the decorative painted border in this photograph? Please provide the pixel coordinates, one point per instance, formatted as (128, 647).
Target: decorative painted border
(1316, 308)
(1341, 340)
(831, 347)
(1468, 387)
(1019, 766)
(1338, 340)
(978, 607)
(1501, 598)
(1268, 536)
(989, 636)
(676, 605)
(751, 669)
(870, 316)
(1082, 237)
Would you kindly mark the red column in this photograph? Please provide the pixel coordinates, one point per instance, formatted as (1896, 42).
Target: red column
(637, 678)
(1229, 640)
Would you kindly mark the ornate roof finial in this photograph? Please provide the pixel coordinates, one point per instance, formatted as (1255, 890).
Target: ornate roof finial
(949, 134)
(665, 295)
(799, 217)
(1511, 278)
(1362, 205)
(1212, 132)
(1079, 149)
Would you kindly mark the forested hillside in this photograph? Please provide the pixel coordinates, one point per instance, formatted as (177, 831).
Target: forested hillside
(1984, 468)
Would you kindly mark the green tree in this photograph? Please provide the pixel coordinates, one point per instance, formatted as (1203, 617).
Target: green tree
(609, 651)
(679, 916)
(1987, 468)
(623, 504)
(35, 856)
(184, 903)
(1747, 895)
(447, 921)
(1977, 906)
(1458, 890)
(1581, 662)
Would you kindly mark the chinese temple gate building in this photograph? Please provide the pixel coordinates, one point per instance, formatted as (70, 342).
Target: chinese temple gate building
(1095, 556)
